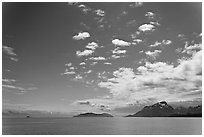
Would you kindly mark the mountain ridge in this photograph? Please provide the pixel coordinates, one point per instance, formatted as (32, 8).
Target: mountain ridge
(162, 109)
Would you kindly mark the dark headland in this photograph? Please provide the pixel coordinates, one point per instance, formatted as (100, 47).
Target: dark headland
(94, 115)
(162, 109)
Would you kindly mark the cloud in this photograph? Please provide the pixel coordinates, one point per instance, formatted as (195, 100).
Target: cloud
(11, 85)
(83, 102)
(153, 54)
(78, 77)
(81, 36)
(136, 4)
(115, 56)
(93, 63)
(166, 42)
(89, 71)
(155, 23)
(72, 3)
(146, 27)
(118, 51)
(72, 68)
(68, 64)
(107, 63)
(82, 63)
(8, 80)
(100, 12)
(181, 35)
(191, 49)
(84, 53)
(121, 43)
(92, 45)
(84, 8)
(156, 44)
(68, 73)
(157, 81)
(97, 58)
(150, 15)
(10, 52)
(162, 43)
(136, 41)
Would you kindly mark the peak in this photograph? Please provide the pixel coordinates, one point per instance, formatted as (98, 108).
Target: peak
(163, 102)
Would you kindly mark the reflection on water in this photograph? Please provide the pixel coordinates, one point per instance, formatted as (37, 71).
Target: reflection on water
(102, 126)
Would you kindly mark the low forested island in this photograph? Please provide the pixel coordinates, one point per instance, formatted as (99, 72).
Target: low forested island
(93, 115)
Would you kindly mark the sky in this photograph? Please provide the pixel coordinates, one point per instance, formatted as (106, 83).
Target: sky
(111, 57)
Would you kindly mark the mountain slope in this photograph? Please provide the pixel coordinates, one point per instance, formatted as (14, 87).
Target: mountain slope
(162, 109)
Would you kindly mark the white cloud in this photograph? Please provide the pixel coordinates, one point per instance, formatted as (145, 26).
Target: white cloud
(84, 53)
(118, 51)
(92, 45)
(97, 58)
(72, 3)
(157, 81)
(153, 54)
(89, 71)
(100, 12)
(137, 40)
(155, 23)
(162, 43)
(78, 77)
(14, 59)
(121, 43)
(8, 80)
(150, 83)
(12, 87)
(190, 67)
(166, 42)
(68, 73)
(181, 35)
(84, 8)
(68, 64)
(81, 36)
(107, 63)
(71, 68)
(150, 15)
(93, 63)
(146, 27)
(136, 4)
(156, 44)
(191, 49)
(115, 56)
(82, 63)
(10, 52)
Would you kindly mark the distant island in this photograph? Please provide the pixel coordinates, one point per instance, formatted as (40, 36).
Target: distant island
(94, 115)
(162, 109)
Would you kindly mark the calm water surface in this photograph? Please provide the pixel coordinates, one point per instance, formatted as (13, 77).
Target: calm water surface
(101, 126)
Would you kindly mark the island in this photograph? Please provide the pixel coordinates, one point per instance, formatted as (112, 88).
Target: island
(162, 109)
(93, 115)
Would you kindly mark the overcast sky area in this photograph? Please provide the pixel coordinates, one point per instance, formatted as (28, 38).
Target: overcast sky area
(100, 57)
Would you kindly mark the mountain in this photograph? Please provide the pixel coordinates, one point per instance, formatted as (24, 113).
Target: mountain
(93, 115)
(188, 112)
(162, 109)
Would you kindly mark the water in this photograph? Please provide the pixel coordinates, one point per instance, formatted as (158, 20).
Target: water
(101, 126)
